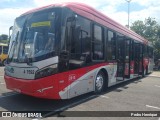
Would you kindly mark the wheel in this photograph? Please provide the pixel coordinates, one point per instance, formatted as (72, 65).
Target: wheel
(99, 82)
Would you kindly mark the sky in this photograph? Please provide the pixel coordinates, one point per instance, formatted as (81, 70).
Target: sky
(115, 9)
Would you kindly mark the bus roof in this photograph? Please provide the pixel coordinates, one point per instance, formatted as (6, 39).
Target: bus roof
(94, 15)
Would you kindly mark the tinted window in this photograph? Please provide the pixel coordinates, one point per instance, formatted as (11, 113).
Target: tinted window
(111, 46)
(145, 51)
(127, 48)
(5, 49)
(132, 50)
(80, 43)
(150, 52)
(37, 37)
(98, 43)
(97, 33)
(120, 46)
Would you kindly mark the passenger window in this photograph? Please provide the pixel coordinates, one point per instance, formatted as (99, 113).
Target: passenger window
(111, 47)
(81, 44)
(98, 43)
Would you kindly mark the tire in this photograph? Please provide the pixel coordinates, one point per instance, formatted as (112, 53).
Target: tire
(99, 82)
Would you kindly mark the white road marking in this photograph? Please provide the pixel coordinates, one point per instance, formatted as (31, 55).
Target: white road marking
(9, 95)
(2, 83)
(152, 107)
(153, 76)
(157, 86)
(103, 96)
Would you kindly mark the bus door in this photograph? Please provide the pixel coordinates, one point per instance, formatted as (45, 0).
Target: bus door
(120, 57)
(75, 57)
(127, 58)
(141, 59)
(70, 56)
(65, 52)
(138, 58)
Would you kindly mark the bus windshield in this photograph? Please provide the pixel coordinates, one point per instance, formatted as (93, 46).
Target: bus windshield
(34, 36)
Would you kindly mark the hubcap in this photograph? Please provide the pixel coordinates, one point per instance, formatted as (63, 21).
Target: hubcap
(99, 82)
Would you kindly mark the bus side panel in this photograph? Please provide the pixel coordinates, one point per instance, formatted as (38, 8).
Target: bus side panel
(86, 82)
(80, 81)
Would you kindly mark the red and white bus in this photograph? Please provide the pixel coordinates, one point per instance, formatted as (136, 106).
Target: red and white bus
(64, 50)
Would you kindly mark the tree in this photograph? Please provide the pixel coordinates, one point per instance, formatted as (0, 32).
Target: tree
(3, 37)
(150, 30)
(139, 27)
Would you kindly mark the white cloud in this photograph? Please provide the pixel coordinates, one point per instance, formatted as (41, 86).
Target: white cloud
(93, 3)
(147, 3)
(151, 11)
(7, 17)
(108, 7)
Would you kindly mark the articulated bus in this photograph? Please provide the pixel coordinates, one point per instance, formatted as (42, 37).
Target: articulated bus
(68, 49)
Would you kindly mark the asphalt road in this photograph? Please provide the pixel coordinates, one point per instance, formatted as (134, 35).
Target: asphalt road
(135, 95)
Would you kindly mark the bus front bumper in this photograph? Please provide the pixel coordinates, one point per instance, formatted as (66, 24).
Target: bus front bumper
(41, 88)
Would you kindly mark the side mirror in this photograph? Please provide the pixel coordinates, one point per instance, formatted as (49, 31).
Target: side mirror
(10, 29)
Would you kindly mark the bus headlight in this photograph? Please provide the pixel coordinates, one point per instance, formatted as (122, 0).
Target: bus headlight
(47, 71)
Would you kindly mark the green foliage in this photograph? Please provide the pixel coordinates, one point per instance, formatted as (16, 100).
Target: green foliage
(139, 27)
(3, 38)
(149, 29)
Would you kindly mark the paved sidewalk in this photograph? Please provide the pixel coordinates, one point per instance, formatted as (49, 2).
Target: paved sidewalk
(155, 73)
